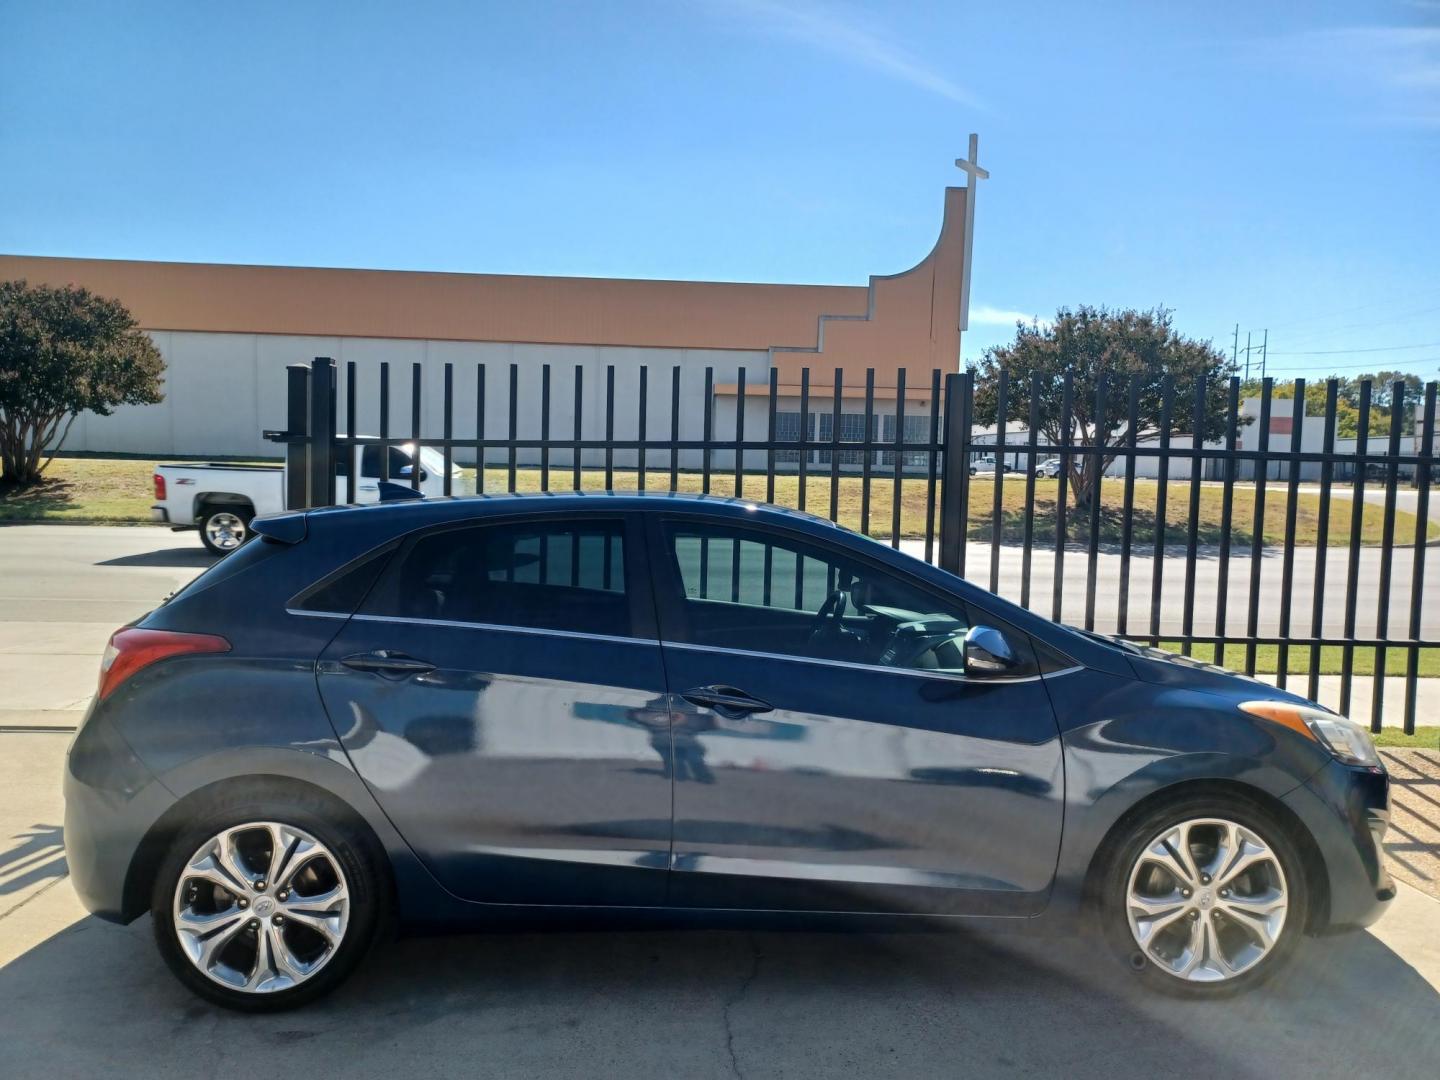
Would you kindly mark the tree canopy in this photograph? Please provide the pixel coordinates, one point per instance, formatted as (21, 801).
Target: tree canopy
(64, 351)
(1119, 349)
(1347, 400)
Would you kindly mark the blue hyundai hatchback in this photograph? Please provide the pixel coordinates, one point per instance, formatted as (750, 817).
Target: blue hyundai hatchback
(490, 710)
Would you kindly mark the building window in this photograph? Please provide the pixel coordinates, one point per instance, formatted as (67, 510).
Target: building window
(917, 430)
(852, 429)
(787, 429)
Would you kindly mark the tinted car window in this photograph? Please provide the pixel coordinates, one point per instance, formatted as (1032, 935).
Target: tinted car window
(558, 575)
(769, 592)
(343, 590)
(370, 461)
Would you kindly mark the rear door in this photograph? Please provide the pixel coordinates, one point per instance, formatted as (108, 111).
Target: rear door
(501, 691)
(830, 752)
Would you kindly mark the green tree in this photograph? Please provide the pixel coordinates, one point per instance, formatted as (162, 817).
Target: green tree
(64, 351)
(1092, 345)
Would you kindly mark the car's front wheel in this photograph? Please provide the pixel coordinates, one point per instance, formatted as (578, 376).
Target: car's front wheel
(1207, 896)
(266, 905)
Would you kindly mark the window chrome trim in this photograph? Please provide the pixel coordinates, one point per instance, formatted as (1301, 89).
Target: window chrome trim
(616, 638)
(945, 675)
(506, 628)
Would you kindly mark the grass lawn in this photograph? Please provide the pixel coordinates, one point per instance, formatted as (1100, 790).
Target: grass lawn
(87, 489)
(114, 489)
(1425, 738)
(1267, 659)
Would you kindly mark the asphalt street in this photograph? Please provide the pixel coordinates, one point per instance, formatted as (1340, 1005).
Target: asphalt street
(79, 997)
(1273, 596)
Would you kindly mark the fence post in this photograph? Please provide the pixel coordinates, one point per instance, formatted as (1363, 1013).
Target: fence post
(297, 427)
(320, 445)
(955, 472)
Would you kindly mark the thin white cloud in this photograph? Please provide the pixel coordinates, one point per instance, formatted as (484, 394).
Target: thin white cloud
(1397, 68)
(848, 35)
(985, 315)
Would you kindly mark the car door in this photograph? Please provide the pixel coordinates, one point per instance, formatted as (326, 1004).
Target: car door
(501, 692)
(830, 752)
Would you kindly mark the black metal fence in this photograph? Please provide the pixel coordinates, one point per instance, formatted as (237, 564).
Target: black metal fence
(1200, 518)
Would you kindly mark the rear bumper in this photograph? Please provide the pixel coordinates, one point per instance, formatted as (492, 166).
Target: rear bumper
(111, 802)
(1347, 811)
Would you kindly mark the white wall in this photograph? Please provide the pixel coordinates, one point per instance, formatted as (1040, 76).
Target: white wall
(222, 390)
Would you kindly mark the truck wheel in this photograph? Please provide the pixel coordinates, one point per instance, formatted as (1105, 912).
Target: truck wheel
(225, 527)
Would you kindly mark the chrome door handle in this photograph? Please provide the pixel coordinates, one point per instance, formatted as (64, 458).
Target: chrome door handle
(387, 662)
(726, 700)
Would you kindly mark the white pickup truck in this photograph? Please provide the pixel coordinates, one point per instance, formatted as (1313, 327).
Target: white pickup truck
(220, 499)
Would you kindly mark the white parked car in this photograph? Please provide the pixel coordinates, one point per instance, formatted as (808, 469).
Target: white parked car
(220, 500)
(987, 465)
(1049, 468)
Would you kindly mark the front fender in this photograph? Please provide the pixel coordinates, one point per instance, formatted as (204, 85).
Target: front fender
(1126, 741)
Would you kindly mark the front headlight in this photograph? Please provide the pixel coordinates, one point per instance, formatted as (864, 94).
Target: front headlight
(1344, 738)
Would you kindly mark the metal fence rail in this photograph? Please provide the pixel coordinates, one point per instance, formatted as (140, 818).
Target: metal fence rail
(940, 467)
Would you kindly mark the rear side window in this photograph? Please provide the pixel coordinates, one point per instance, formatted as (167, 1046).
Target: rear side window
(549, 575)
(342, 591)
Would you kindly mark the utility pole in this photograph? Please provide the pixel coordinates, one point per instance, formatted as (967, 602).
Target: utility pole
(1264, 353)
(1235, 349)
(1247, 355)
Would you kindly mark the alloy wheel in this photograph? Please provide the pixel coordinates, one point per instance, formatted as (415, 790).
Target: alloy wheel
(225, 530)
(1207, 900)
(261, 907)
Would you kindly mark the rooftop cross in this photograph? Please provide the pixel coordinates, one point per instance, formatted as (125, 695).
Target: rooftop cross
(970, 166)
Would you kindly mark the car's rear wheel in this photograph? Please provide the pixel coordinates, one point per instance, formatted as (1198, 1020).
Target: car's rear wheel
(224, 527)
(267, 904)
(1206, 897)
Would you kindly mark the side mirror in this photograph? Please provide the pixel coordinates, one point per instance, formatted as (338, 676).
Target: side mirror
(987, 652)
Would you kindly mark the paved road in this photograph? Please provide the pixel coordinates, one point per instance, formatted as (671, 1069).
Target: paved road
(1335, 588)
(83, 998)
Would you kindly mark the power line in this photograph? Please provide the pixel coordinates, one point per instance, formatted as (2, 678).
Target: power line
(1380, 348)
(1388, 320)
(1345, 367)
(1428, 293)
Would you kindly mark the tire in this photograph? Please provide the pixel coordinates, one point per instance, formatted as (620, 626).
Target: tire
(1154, 926)
(224, 526)
(206, 933)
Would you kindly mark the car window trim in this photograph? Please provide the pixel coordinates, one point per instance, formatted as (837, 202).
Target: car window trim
(924, 673)
(505, 628)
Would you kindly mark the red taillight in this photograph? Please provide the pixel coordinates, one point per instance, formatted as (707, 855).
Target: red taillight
(159, 488)
(133, 648)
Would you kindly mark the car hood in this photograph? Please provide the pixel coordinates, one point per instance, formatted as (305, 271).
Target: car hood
(1172, 669)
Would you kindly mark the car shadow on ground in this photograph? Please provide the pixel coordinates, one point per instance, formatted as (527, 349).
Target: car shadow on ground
(178, 556)
(96, 998)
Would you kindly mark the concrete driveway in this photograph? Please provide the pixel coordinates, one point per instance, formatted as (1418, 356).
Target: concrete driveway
(79, 997)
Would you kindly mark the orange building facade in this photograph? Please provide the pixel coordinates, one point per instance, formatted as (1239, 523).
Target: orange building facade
(227, 333)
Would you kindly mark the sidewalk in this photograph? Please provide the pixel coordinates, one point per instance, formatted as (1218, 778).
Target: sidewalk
(1412, 846)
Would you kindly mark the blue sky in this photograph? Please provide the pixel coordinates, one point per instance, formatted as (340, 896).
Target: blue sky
(1275, 165)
